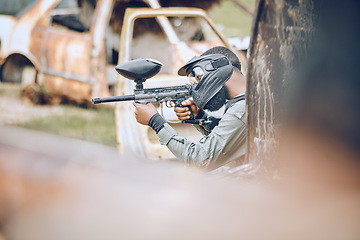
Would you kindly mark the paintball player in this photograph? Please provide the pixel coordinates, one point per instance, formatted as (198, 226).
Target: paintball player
(219, 79)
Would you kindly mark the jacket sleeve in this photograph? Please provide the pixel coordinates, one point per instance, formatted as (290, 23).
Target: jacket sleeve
(207, 152)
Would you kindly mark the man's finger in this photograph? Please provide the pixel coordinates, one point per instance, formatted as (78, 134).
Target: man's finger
(136, 104)
(181, 110)
(184, 118)
(183, 114)
(186, 102)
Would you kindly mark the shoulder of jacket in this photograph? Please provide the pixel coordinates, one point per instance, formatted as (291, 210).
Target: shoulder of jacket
(238, 109)
(239, 104)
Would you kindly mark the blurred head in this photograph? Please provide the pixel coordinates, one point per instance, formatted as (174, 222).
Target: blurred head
(326, 95)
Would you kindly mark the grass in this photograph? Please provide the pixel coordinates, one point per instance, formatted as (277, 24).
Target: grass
(233, 20)
(10, 90)
(95, 125)
(90, 124)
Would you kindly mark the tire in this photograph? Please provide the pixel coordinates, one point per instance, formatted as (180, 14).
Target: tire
(31, 92)
(28, 75)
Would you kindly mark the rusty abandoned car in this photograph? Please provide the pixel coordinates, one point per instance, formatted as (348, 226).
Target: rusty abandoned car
(67, 51)
(70, 47)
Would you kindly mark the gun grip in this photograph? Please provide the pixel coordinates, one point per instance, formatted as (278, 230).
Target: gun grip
(178, 104)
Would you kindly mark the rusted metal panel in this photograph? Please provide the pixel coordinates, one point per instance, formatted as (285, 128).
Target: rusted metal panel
(72, 90)
(15, 37)
(65, 60)
(15, 32)
(62, 52)
(280, 34)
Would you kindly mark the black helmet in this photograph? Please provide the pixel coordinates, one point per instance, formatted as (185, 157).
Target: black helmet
(211, 72)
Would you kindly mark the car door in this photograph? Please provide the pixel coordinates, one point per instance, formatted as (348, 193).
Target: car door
(172, 47)
(63, 45)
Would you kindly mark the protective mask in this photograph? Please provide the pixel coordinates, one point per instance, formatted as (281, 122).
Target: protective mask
(210, 72)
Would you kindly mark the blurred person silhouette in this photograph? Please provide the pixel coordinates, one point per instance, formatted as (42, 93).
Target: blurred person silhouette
(318, 162)
(320, 144)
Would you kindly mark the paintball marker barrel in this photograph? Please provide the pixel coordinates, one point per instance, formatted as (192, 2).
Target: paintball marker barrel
(146, 95)
(113, 99)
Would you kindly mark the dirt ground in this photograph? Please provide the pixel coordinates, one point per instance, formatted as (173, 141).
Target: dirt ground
(13, 111)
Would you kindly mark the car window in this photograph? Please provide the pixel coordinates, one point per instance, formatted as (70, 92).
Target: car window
(150, 41)
(73, 15)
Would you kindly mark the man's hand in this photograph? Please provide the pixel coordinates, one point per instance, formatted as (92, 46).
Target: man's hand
(143, 112)
(183, 113)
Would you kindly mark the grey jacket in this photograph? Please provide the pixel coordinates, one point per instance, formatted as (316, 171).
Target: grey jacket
(225, 143)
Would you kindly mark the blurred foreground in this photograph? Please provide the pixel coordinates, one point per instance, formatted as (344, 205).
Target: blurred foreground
(57, 188)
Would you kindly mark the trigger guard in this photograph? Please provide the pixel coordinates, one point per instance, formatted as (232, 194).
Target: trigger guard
(168, 114)
(167, 104)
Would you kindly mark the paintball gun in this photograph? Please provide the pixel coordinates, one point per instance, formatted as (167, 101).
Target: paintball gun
(140, 70)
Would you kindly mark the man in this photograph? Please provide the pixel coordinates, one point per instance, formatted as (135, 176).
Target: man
(219, 78)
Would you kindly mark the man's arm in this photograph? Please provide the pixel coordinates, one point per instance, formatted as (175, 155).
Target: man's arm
(214, 149)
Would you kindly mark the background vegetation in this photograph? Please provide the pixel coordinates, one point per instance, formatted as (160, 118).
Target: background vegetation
(95, 125)
(233, 21)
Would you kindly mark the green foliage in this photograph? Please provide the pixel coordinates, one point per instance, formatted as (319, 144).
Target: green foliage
(95, 125)
(234, 21)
